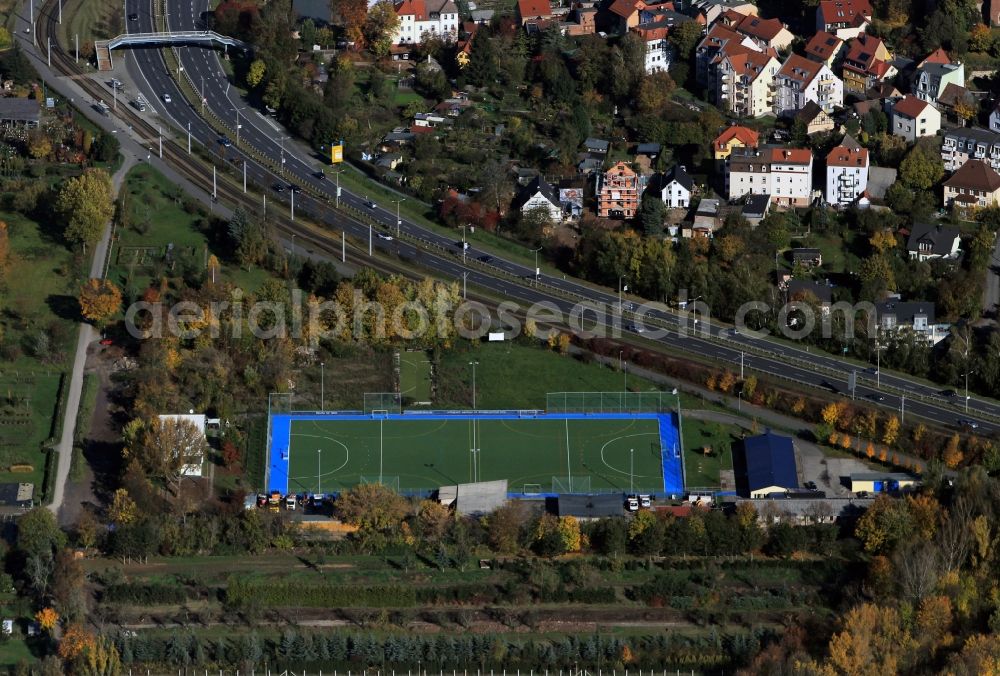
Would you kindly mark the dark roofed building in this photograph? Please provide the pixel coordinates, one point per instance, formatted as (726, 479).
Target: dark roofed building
(650, 150)
(16, 497)
(20, 112)
(586, 507)
(807, 256)
(596, 145)
(914, 316)
(539, 194)
(799, 289)
(764, 465)
(931, 240)
(755, 208)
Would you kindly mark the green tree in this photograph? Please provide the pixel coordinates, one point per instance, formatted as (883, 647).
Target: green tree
(921, 168)
(886, 523)
(38, 534)
(85, 205)
(652, 214)
(684, 39)
(380, 26)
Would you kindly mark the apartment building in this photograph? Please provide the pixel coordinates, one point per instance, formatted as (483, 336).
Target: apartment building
(846, 175)
(783, 173)
(961, 145)
(438, 18)
(866, 64)
(618, 192)
(744, 82)
(800, 80)
(844, 18)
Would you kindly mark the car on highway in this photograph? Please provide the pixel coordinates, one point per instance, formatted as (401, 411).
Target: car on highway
(971, 424)
(133, 17)
(225, 143)
(948, 393)
(486, 258)
(293, 188)
(372, 205)
(166, 98)
(279, 187)
(387, 238)
(319, 174)
(876, 397)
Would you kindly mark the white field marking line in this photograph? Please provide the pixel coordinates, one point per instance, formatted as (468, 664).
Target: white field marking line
(347, 454)
(627, 436)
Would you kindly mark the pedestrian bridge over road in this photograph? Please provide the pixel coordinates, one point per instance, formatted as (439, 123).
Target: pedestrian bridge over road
(203, 38)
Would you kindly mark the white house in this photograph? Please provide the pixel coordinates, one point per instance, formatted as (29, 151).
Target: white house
(801, 80)
(675, 188)
(995, 118)
(783, 173)
(659, 53)
(194, 468)
(438, 18)
(846, 175)
(913, 118)
(930, 240)
(540, 195)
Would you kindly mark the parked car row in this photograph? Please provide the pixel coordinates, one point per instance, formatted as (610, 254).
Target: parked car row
(636, 502)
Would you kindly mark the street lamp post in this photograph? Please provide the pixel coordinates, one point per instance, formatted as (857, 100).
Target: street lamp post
(631, 470)
(322, 386)
(399, 221)
(473, 364)
(620, 289)
(537, 271)
(680, 435)
(319, 470)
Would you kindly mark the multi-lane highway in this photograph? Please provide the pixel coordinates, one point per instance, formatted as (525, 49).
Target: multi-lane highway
(482, 269)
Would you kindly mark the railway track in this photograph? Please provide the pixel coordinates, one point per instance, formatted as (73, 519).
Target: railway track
(315, 238)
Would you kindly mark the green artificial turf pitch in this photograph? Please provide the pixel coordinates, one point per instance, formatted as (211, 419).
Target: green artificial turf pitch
(331, 455)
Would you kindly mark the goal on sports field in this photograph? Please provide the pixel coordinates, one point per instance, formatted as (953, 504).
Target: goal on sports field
(386, 480)
(571, 484)
(383, 402)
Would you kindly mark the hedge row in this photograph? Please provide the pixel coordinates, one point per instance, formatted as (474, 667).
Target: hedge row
(247, 591)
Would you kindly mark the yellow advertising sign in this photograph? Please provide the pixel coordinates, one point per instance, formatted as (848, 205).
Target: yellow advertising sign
(336, 154)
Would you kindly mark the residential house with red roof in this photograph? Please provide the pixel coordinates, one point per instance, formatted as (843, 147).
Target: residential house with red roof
(846, 175)
(913, 118)
(417, 18)
(800, 80)
(824, 48)
(533, 12)
(783, 173)
(719, 41)
(744, 82)
(767, 33)
(844, 18)
(654, 28)
(732, 137)
(866, 64)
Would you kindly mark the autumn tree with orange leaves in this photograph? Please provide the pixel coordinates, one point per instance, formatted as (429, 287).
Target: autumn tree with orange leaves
(100, 300)
(47, 618)
(74, 642)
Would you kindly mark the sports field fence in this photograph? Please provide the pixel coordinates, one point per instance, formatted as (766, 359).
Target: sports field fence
(384, 402)
(609, 402)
